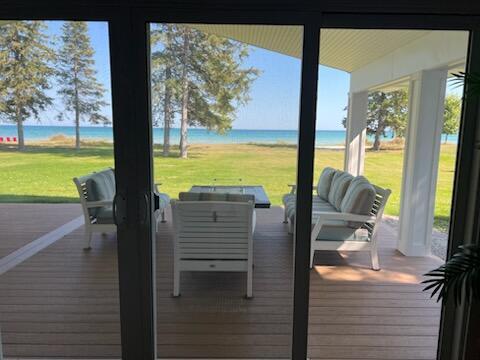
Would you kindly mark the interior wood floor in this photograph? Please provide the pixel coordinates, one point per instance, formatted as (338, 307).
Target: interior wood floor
(63, 302)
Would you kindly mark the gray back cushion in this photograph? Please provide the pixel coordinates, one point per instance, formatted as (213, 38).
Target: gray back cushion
(358, 199)
(194, 196)
(324, 183)
(100, 186)
(340, 182)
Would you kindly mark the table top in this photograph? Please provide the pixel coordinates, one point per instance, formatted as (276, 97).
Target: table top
(261, 198)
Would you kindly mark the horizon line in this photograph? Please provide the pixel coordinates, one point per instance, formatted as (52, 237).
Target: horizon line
(157, 127)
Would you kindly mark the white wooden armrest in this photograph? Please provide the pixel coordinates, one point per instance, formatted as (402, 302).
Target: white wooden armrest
(325, 216)
(101, 203)
(293, 188)
(157, 187)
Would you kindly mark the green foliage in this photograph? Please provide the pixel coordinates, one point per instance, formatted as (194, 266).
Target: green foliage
(386, 110)
(459, 276)
(471, 80)
(82, 94)
(25, 72)
(451, 122)
(202, 75)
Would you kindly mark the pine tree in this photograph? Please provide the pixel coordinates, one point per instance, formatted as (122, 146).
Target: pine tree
(386, 110)
(163, 83)
(81, 92)
(451, 119)
(25, 72)
(206, 80)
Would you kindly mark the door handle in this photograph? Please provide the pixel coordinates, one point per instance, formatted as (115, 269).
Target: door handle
(143, 208)
(119, 209)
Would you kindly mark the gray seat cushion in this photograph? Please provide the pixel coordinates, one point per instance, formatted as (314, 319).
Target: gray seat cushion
(358, 199)
(104, 215)
(324, 182)
(340, 182)
(334, 230)
(337, 232)
(317, 205)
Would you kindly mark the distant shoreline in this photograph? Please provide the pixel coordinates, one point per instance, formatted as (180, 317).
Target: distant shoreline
(328, 139)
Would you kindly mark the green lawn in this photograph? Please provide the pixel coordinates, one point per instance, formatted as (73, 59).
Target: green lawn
(44, 174)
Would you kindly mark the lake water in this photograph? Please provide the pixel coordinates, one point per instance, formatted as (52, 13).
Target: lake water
(195, 136)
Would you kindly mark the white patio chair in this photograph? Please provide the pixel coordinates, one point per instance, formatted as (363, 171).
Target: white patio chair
(96, 192)
(213, 235)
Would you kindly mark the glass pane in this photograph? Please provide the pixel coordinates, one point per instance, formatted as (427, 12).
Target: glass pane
(226, 100)
(401, 114)
(57, 300)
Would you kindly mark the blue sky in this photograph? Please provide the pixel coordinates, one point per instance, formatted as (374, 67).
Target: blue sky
(274, 95)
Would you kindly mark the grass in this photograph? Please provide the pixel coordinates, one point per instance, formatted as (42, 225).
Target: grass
(44, 173)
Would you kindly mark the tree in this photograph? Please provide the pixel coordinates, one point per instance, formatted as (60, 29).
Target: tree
(451, 119)
(205, 83)
(25, 72)
(162, 84)
(82, 93)
(386, 110)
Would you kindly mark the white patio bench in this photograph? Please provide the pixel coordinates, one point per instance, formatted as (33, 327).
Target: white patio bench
(96, 191)
(346, 213)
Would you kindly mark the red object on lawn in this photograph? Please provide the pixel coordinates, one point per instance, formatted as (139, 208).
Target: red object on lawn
(8, 139)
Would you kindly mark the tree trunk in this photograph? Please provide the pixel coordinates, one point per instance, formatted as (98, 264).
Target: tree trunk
(184, 124)
(21, 137)
(378, 134)
(184, 119)
(167, 117)
(77, 121)
(446, 138)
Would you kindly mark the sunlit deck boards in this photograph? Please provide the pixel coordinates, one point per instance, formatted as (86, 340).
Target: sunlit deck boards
(63, 302)
(22, 223)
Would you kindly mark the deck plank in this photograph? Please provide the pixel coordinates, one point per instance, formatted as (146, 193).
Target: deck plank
(63, 301)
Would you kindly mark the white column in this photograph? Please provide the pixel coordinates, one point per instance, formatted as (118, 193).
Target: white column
(356, 132)
(420, 164)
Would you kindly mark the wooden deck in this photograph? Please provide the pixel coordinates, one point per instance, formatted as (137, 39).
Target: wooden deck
(63, 302)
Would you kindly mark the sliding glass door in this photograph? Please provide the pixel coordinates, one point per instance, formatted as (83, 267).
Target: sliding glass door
(224, 108)
(217, 111)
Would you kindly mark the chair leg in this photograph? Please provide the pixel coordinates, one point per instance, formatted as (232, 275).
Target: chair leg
(312, 255)
(374, 256)
(290, 228)
(176, 282)
(88, 239)
(250, 282)
(163, 216)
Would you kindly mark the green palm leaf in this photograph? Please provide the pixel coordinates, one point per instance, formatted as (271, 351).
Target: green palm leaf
(471, 80)
(459, 276)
